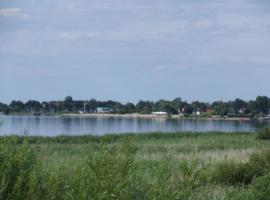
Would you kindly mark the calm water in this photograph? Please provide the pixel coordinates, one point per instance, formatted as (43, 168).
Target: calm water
(52, 125)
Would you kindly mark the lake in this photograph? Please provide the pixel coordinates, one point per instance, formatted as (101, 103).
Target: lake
(55, 125)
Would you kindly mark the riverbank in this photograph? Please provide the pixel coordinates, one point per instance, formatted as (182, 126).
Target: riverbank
(141, 166)
(133, 115)
(142, 116)
(151, 116)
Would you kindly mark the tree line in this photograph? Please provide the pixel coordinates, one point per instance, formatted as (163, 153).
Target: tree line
(236, 108)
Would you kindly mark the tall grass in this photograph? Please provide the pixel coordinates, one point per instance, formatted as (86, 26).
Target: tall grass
(147, 166)
(17, 162)
(242, 173)
(264, 134)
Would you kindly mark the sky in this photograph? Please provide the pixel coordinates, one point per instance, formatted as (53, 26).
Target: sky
(127, 50)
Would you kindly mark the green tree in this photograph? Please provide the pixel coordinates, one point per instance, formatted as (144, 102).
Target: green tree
(92, 105)
(3, 107)
(262, 104)
(130, 107)
(220, 108)
(144, 107)
(68, 104)
(33, 106)
(17, 106)
(238, 104)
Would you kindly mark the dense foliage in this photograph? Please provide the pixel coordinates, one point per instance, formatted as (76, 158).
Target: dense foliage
(242, 173)
(264, 134)
(238, 107)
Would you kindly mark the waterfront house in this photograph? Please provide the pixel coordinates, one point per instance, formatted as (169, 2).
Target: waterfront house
(104, 110)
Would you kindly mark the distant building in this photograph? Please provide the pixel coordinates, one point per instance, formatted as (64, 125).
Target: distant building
(210, 110)
(242, 110)
(159, 113)
(104, 110)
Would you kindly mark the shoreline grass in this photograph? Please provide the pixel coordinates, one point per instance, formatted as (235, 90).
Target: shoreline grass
(206, 165)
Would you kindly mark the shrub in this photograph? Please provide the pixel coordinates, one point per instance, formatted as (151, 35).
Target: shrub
(173, 180)
(17, 163)
(6, 111)
(232, 173)
(107, 174)
(264, 134)
(260, 188)
(260, 163)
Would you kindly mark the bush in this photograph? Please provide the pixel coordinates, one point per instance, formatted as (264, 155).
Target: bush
(17, 163)
(260, 188)
(107, 174)
(172, 180)
(232, 173)
(6, 111)
(264, 134)
(260, 163)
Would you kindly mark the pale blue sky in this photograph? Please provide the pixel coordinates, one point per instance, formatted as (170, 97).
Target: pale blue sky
(129, 50)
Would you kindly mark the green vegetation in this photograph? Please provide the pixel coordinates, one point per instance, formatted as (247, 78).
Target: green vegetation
(236, 108)
(228, 172)
(212, 165)
(264, 134)
(261, 188)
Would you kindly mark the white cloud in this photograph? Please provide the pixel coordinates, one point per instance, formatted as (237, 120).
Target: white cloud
(9, 11)
(72, 35)
(203, 24)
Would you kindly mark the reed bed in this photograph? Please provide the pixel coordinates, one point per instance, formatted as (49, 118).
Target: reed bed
(209, 165)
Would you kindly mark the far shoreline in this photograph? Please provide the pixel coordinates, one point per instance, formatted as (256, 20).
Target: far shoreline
(140, 116)
(150, 116)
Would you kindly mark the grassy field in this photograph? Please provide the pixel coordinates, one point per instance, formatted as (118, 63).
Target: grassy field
(210, 165)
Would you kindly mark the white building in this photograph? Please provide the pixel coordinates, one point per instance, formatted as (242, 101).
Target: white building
(159, 113)
(103, 110)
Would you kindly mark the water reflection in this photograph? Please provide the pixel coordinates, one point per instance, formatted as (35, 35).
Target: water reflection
(51, 126)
